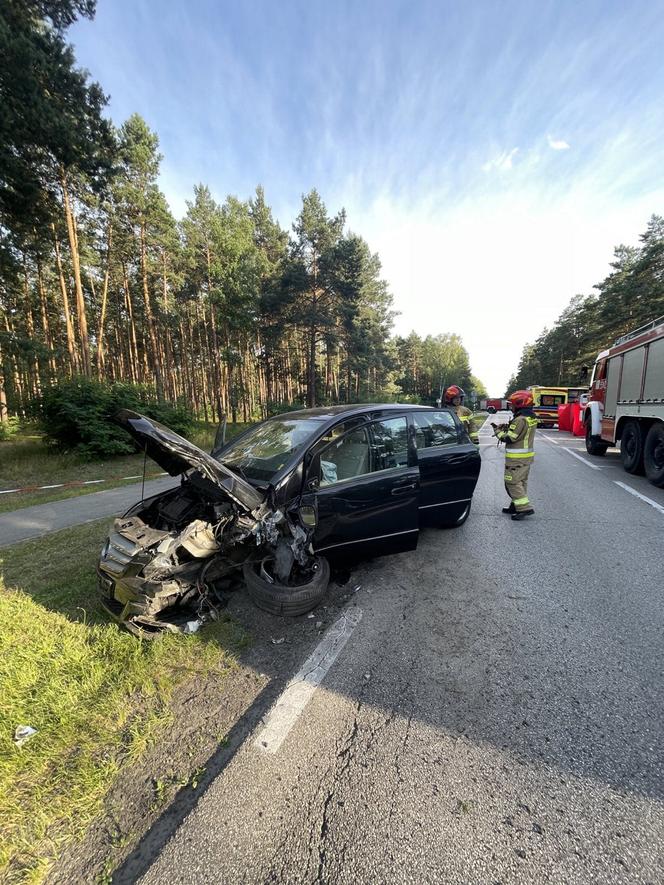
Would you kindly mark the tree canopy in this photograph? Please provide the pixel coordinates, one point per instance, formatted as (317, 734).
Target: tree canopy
(223, 310)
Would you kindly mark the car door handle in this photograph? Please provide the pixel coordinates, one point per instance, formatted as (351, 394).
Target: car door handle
(399, 490)
(457, 459)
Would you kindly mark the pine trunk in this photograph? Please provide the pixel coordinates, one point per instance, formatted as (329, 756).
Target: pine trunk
(76, 267)
(156, 364)
(46, 327)
(104, 301)
(69, 326)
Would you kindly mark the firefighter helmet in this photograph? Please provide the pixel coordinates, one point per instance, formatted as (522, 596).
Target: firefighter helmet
(452, 393)
(521, 399)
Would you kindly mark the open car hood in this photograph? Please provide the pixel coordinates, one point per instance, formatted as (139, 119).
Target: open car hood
(176, 454)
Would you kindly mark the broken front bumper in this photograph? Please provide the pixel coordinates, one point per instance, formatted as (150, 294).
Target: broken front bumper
(144, 607)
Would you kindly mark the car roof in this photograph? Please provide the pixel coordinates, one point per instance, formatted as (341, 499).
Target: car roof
(323, 413)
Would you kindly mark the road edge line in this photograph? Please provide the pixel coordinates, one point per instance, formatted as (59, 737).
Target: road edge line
(294, 698)
(636, 494)
(579, 458)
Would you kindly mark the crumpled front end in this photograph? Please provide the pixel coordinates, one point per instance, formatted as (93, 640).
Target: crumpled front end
(167, 562)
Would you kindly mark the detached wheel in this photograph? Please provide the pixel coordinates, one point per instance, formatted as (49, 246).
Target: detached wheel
(631, 447)
(593, 445)
(653, 454)
(284, 599)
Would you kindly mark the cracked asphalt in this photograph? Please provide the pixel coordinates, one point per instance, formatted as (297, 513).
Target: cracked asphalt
(496, 716)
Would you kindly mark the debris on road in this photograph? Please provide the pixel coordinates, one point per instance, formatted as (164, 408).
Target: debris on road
(23, 733)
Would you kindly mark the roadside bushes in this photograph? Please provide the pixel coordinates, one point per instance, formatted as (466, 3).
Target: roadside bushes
(9, 428)
(74, 415)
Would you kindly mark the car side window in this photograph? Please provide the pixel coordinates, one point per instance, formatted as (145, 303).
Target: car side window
(433, 429)
(381, 446)
(389, 444)
(345, 458)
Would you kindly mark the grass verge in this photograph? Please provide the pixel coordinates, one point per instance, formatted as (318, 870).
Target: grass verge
(97, 696)
(26, 460)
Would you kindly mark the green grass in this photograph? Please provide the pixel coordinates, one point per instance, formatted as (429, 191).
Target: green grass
(97, 695)
(25, 460)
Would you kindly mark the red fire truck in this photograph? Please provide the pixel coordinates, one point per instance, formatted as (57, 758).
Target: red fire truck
(494, 404)
(626, 401)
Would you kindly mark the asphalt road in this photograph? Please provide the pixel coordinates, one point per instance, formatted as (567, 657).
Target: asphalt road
(495, 716)
(41, 519)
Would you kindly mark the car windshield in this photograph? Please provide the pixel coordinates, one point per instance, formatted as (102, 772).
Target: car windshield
(268, 447)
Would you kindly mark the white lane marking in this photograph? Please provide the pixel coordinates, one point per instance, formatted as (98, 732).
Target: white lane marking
(582, 460)
(639, 495)
(299, 691)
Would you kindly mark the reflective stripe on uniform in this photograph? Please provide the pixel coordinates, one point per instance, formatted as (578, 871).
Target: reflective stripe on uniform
(522, 451)
(518, 502)
(518, 456)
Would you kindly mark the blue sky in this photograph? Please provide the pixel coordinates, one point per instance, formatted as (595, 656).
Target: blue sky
(493, 153)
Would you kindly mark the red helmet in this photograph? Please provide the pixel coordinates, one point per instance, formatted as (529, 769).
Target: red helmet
(521, 399)
(452, 393)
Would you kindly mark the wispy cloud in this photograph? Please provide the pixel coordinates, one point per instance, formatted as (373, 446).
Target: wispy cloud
(557, 144)
(502, 161)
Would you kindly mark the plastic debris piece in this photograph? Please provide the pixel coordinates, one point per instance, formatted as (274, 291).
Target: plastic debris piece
(23, 733)
(358, 587)
(312, 615)
(192, 626)
(367, 675)
(278, 641)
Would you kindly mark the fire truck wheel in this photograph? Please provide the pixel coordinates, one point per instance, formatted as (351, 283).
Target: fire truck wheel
(631, 447)
(653, 454)
(593, 445)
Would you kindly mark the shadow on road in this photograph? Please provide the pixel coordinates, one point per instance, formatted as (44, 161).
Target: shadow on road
(522, 662)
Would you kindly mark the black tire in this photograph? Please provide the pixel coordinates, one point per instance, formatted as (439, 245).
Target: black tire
(593, 445)
(631, 447)
(459, 521)
(653, 454)
(280, 599)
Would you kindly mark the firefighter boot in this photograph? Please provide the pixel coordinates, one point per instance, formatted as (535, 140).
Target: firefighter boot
(522, 514)
(510, 509)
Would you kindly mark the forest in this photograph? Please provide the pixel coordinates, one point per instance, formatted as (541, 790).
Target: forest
(224, 310)
(630, 296)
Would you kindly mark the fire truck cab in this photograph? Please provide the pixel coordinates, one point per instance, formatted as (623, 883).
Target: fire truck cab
(626, 401)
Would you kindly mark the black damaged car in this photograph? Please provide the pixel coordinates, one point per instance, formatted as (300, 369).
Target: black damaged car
(277, 503)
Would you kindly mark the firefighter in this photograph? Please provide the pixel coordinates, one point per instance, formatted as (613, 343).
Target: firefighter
(454, 397)
(519, 439)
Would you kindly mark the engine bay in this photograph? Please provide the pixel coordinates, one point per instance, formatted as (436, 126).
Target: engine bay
(169, 562)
